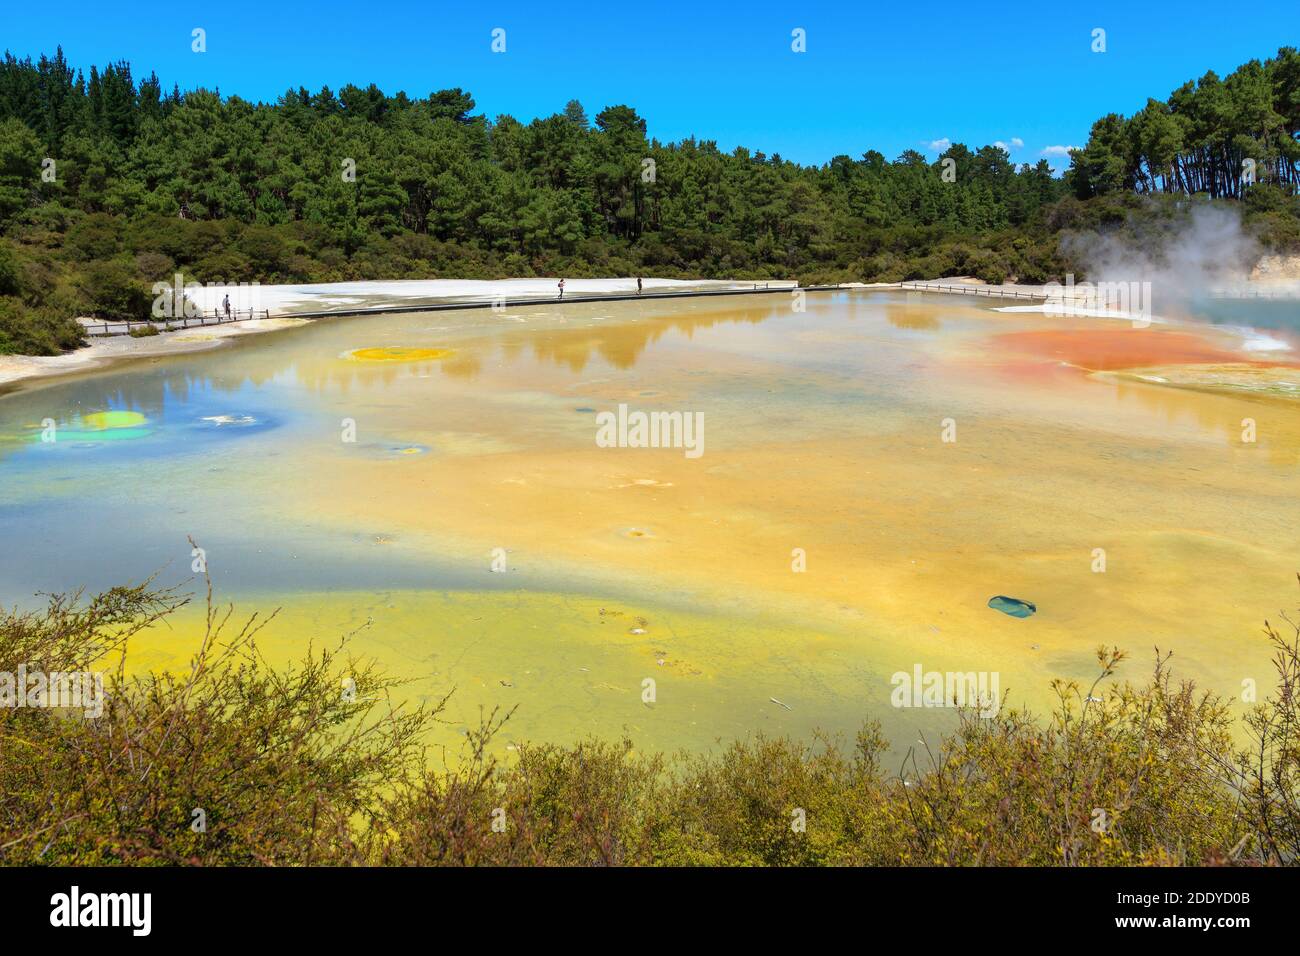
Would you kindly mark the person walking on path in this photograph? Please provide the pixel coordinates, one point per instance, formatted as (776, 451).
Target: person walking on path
(225, 304)
(638, 285)
(561, 288)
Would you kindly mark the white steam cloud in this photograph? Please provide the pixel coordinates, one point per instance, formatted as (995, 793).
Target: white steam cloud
(1183, 256)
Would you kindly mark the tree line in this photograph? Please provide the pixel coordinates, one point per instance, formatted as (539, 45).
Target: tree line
(1214, 136)
(109, 184)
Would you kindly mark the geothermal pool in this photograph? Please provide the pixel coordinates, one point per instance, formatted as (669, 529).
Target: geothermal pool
(876, 470)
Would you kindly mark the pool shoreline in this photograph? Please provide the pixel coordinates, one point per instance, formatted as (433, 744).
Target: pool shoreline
(17, 369)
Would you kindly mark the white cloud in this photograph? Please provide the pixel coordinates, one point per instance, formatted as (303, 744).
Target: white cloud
(941, 145)
(1063, 151)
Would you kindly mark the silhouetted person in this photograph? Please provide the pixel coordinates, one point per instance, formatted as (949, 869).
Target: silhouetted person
(638, 285)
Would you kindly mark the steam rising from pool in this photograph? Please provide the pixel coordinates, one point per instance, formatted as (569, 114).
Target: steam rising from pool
(1185, 257)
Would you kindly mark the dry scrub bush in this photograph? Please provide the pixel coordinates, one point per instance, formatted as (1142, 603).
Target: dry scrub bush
(281, 763)
(290, 769)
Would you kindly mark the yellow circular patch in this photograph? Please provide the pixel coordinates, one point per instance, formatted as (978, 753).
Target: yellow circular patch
(102, 421)
(397, 354)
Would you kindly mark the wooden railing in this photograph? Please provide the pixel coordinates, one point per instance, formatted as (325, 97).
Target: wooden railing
(502, 302)
(971, 290)
(107, 327)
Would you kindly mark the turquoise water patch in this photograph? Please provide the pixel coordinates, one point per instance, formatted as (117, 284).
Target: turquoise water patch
(101, 427)
(1012, 606)
(93, 428)
(75, 436)
(1254, 313)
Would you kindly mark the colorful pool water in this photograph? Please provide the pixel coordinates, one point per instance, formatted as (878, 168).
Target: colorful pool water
(875, 470)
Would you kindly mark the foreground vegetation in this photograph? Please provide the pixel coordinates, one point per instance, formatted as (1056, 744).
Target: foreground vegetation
(109, 184)
(288, 769)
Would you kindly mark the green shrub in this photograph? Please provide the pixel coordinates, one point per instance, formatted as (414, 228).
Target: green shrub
(95, 236)
(112, 289)
(8, 270)
(28, 331)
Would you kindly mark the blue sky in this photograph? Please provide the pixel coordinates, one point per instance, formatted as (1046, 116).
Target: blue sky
(889, 76)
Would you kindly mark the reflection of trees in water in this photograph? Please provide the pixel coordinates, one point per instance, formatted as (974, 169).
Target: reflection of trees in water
(1220, 414)
(21, 415)
(921, 318)
(193, 379)
(149, 391)
(621, 343)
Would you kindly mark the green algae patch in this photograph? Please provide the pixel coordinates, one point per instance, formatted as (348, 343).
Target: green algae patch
(104, 421)
(572, 664)
(97, 427)
(1244, 379)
